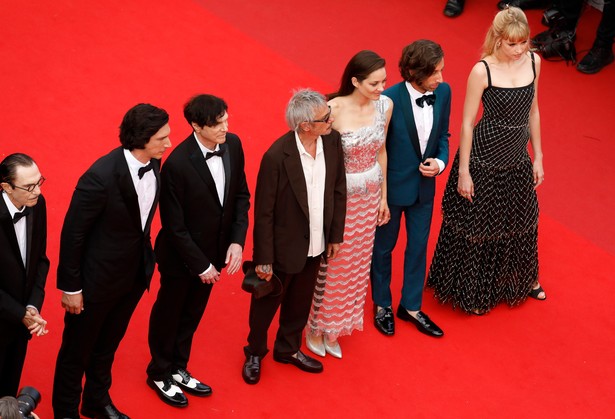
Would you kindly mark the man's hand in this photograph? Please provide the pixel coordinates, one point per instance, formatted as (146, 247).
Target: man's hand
(34, 322)
(332, 249)
(429, 168)
(234, 255)
(73, 303)
(211, 276)
(264, 272)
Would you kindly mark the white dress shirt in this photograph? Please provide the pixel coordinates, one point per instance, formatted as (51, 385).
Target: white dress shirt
(20, 227)
(145, 187)
(216, 167)
(423, 119)
(314, 170)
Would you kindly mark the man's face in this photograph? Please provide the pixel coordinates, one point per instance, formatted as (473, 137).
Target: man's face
(26, 177)
(321, 125)
(432, 82)
(210, 136)
(158, 143)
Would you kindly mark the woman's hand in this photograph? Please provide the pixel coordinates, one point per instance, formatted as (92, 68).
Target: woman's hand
(539, 173)
(384, 215)
(465, 186)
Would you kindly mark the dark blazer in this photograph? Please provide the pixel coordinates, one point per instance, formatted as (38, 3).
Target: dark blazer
(22, 286)
(405, 184)
(196, 229)
(103, 247)
(281, 219)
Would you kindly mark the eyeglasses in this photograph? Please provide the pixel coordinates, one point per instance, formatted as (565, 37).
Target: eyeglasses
(31, 188)
(325, 118)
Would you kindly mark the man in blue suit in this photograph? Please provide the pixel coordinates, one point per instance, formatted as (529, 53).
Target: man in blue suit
(417, 149)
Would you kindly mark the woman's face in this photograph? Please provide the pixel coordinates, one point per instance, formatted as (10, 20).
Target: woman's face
(373, 86)
(514, 49)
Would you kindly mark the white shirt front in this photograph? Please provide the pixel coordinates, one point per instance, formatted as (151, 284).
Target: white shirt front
(216, 167)
(145, 187)
(314, 171)
(423, 119)
(20, 227)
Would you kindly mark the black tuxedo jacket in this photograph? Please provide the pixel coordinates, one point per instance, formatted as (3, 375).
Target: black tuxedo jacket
(196, 228)
(281, 212)
(103, 249)
(21, 286)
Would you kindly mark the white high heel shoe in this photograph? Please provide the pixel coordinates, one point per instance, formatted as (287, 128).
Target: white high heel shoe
(333, 348)
(315, 344)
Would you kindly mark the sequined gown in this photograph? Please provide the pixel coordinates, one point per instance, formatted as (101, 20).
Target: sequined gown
(341, 287)
(487, 250)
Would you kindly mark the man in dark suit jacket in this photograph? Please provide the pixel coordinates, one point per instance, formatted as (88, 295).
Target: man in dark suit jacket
(107, 261)
(300, 206)
(417, 146)
(204, 204)
(23, 264)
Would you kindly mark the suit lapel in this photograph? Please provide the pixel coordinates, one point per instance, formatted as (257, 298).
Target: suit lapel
(9, 230)
(29, 226)
(200, 165)
(406, 110)
(127, 188)
(226, 161)
(156, 170)
(294, 171)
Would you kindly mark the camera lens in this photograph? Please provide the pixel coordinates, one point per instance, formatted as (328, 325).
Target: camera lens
(28, 399)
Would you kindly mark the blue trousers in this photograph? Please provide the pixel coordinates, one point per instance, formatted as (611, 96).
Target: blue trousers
(418, 222)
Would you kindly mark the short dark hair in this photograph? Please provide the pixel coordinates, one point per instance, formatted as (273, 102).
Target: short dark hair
(419, 60)
(204, 110)
(140, 123)
(8, 166)
(361, 65)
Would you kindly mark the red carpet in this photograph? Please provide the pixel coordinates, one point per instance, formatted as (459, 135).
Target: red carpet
(71, 69)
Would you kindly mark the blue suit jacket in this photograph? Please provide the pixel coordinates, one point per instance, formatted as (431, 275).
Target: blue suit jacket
(405, 184)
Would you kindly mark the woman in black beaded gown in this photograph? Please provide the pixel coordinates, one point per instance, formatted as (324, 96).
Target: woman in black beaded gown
(487, 248)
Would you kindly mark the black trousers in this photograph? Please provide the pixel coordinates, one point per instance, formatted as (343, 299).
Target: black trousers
(175, 316)
(13, 347)
(294, 302)
(571, 10)
(89, 343)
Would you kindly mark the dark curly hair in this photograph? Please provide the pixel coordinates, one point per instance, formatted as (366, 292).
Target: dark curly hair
(419, 60)
(140, 123)
(204, 110)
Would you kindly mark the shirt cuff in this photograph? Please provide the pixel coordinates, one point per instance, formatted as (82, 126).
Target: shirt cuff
(35, 309)
(72, 292)
(208, 269)
(441, 165)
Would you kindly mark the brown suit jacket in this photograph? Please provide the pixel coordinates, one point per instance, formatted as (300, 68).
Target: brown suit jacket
(281, 221)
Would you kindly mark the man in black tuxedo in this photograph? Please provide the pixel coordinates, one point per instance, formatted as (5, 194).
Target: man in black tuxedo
(23, 264)
(107, 261)
(204, 206)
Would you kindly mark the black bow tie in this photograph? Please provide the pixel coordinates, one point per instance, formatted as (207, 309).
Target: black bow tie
(143, 170)
(218, 153)
(23, 213)
(428, 99)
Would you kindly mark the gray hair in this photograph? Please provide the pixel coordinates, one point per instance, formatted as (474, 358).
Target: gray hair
(302, 107)
(9, 408)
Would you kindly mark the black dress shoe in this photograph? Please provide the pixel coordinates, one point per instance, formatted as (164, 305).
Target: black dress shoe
(422, 322)
(524, 4)
(251, 372)
(595, 60)
(168, 391)
(384, 320)
(106, 412)
(302, 361)
(453, 8)
(190, 384)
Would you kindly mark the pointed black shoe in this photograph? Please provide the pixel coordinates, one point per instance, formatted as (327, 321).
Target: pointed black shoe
(106, 412)
(595, 60)
(251, 372)
(422, 322)
(384, 320)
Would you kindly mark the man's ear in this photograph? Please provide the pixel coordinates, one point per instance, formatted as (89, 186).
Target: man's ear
(6, 187)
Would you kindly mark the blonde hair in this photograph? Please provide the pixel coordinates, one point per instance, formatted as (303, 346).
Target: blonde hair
(509, 24)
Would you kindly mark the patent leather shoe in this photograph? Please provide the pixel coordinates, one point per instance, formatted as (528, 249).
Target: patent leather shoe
(301, 361)
(453, 8)
(422, 322)
(106, 412)
(168, 391)
(251, 372)
(190, 384)
(384, 320)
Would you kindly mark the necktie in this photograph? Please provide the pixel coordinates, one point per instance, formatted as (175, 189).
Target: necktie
(143, 170)
(18, 215)
(218, 153)
(428, 99)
